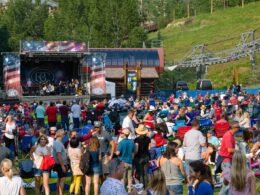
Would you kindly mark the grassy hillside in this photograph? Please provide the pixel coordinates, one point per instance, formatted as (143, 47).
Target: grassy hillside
(218, 31)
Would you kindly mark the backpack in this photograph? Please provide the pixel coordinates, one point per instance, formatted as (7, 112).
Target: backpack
(85, 162)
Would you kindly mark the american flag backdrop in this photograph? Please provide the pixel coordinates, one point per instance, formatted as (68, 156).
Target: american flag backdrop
(11, 71)
(98, 74)
(53, 46)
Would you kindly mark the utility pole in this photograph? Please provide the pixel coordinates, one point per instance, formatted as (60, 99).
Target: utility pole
(211, 6)
(188, 8)
(243, 3)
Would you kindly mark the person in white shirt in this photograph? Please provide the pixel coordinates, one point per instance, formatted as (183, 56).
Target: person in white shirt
(76, 110)
(193, 143)
(11, 183)
(128, 123)
(37, 152)
(9, 133)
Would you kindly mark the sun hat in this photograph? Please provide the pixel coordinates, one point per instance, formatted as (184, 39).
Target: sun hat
(141, 130)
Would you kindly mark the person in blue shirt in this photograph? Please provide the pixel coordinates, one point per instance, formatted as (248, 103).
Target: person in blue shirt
(213, 139)
(200, 179)
(125, 152)
(40, 111)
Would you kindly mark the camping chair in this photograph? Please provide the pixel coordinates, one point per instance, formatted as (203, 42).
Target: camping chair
(205, 125)
(26, 173)
(182, 131)
(26, 144)
(221, 128)
(178, 123)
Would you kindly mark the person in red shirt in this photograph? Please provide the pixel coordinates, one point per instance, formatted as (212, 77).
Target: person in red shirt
(228, 146)
(51, 112)
(149, 118)
(234, 100)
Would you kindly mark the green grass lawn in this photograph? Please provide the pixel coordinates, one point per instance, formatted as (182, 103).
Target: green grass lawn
(219, 31)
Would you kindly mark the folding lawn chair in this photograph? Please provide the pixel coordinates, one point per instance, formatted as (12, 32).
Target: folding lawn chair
(26, 144)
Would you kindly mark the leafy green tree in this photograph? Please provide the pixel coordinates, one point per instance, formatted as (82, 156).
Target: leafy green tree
(24, 20)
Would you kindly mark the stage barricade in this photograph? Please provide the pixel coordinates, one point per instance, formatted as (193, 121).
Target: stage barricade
(194, 93)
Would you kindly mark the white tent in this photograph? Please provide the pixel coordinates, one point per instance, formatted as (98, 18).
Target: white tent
(111, 88)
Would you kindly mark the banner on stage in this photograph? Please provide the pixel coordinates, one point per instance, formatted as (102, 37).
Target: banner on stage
(11, 70)
(98, 75)
(52, 46)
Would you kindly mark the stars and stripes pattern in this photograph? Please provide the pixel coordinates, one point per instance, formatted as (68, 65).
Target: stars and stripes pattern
(11, 71)
(98, 75)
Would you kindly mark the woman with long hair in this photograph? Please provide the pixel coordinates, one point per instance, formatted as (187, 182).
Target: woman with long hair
(182, 114)
(240, 179)
(11, 182)
(246, 122)
(37, 152)
(200, 179)
(173, 169)
(157, 184)
(75, 154)
(94, 169)
(245, 144)
(10, 133)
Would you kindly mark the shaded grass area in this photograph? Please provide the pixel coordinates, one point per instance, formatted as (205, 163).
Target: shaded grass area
(219, 31)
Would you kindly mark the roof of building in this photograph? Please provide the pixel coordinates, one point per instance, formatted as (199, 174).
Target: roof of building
(119, 57)
(118, 73)
(114, 73)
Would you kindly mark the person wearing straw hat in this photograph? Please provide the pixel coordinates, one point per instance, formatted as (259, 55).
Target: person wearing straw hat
(141, 160)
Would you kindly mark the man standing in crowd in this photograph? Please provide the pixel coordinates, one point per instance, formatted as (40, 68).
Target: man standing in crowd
(227, 147)
(193, 143)
(113, 184)
(51, 112)
(64, 112)
(127, 123)
(59, 153)
(40, 111)
(76, 110)
(5, 153)
(125, 152)
(105, 139)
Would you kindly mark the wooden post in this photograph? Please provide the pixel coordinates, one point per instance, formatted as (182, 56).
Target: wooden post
(211, 6)
(138, 78)
(188, 8)
(125, 78)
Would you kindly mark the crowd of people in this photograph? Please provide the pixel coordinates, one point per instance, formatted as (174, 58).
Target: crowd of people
(135, 146)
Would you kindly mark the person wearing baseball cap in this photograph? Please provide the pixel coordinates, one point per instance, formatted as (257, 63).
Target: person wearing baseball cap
(105, 140)
(125, 152)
